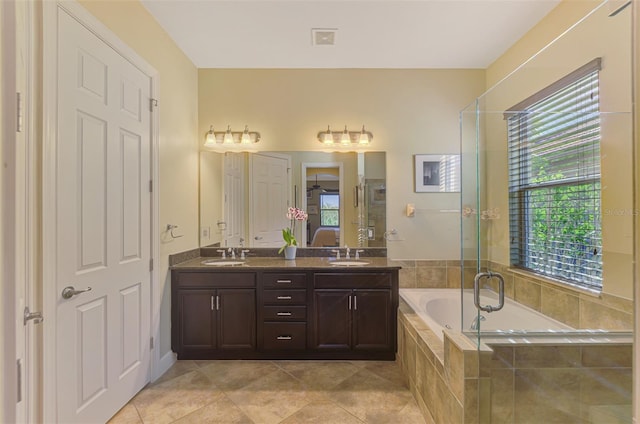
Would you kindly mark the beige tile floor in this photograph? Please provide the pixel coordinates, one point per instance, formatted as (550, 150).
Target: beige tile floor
(266, 392)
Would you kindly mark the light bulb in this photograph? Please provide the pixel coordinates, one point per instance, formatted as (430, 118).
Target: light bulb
(246, 138)
(228, 137)
(364, 137)
(328, 136)
(345, 140)
(210, 139)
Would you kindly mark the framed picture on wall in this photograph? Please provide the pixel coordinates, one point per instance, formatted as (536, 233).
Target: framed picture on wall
(437, 173)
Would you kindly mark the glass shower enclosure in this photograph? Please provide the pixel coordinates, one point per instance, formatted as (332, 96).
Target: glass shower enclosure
(547, 207)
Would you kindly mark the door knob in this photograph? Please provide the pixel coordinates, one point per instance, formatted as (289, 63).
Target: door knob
(69, 291)
(258, 238)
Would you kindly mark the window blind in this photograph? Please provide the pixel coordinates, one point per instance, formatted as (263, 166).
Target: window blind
(554, 181)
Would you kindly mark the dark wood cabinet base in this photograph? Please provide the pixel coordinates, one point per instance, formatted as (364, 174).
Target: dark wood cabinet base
(283, 314)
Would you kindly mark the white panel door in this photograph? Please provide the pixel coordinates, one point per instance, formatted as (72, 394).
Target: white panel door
(269, 199)
(103, 226)
(234, 193)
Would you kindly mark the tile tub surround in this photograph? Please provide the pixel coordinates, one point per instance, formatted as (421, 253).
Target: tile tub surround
(575, 307)
(442, 375)
(572, 306)
(436, 274)
(453, 382)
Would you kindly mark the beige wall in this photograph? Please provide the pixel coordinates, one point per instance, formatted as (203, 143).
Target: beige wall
(178, 155)
(408, 111)
(598, 36)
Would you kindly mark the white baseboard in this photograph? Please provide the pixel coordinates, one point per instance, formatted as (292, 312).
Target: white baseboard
(165, 363)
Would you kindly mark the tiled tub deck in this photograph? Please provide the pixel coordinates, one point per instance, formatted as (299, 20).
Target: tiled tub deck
(506, 382)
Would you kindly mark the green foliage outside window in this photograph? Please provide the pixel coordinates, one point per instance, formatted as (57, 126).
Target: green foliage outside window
(330, 210)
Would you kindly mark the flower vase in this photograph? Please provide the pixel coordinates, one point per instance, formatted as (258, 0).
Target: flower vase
(290, 252)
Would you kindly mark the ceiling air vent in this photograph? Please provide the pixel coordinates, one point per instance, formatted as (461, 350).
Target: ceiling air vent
(323, 36)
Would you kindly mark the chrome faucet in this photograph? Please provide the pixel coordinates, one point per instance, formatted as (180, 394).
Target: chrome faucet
(224, 253)
(475, 324)
(358, 251)
(232, 252)
(242, 253)
(348, 254)
(337, 252)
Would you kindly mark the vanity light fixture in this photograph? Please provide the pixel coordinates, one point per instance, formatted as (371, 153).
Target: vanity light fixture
(327, 137)
(210, 138)
(246, 137)
(230, 139)
(347, 138)
(364, 138)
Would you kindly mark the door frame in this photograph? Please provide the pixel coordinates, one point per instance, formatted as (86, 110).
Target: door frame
(27, 214)
(303, 184)
(49, 194)
(8, 251)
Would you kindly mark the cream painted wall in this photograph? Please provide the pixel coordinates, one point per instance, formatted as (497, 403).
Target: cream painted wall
(178, 155)
(598, 36)
(408, 111)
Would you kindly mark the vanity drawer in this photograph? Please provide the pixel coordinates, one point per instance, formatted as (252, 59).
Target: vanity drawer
(354, 280)
(284, 281)
(284, 313)
(214, 279)
(285, 336)
(284, 297)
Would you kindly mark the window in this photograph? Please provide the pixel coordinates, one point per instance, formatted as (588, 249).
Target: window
(330, 210)
(554, 180)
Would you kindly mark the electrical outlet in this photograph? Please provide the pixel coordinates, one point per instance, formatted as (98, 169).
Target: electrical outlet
(371, 233)
(206, 232)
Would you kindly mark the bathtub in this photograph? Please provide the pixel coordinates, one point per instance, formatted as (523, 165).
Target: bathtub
(440, 310)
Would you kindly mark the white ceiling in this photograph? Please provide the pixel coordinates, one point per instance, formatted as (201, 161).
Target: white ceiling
(371, 34)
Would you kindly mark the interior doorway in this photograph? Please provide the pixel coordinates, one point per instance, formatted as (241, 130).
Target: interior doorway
(323, 200)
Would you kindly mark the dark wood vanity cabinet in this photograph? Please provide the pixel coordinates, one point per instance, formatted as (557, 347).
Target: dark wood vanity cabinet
(361, 318)
(213, 314)
(282, 314)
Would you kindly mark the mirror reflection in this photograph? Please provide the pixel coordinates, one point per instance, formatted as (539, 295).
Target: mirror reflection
(244, 198)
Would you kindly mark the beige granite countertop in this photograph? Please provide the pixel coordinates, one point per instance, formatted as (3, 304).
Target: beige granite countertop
(302, 263)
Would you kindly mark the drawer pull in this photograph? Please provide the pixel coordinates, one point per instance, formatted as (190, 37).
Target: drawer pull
(284, 337)
(284, 297)
(283, 281)
(284, 314)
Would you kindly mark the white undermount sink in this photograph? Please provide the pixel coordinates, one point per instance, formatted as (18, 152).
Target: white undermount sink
(222, 262)
(347, 262)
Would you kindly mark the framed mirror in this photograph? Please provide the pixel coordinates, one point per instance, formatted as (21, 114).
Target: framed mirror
(244, 198)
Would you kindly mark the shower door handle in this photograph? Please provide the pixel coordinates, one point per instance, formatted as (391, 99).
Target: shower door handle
(476, 291)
